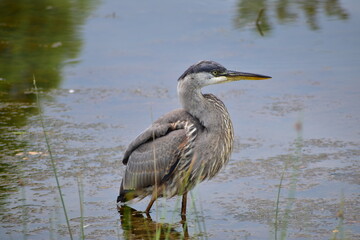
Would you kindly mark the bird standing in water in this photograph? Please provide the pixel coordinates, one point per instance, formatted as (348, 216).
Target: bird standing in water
(185, 146)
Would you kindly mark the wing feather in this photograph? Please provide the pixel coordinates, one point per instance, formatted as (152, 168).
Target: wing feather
(149, 162)
(167, 123)
(155, 152)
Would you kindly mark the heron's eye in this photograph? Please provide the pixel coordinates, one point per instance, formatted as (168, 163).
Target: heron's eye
(215, 73)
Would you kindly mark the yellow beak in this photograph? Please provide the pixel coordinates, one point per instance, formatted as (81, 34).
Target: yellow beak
(236, 76)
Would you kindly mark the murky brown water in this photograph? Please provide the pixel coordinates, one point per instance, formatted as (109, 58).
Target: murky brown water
(108, 69)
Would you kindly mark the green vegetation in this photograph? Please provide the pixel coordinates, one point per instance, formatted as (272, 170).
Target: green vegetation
(52, 160)
(281, 223)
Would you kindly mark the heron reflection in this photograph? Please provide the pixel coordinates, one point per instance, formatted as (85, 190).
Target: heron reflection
(138, 225)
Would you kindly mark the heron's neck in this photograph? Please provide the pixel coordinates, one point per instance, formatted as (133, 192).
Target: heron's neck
(194, 102)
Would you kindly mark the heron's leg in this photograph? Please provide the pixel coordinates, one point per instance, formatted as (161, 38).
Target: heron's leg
(185, 228)
(155, 194)
(152, 200)
(183, 204)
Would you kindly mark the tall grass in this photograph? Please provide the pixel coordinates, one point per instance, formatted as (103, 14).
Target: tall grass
(81, 200)
(293, 164)
(198, 213)
(52, 161)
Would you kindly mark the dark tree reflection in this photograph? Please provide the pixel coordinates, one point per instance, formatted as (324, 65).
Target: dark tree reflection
(285, 11)
(36, 39)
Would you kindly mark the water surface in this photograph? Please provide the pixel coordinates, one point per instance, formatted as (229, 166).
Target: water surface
(106, 69)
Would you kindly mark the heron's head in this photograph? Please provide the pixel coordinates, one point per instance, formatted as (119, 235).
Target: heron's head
(206, 73)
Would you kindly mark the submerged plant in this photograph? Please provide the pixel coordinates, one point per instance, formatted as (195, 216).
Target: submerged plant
(338, 232)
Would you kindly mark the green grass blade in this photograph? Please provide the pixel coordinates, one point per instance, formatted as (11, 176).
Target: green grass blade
(53, 165)
(277, 204)
(81, 200)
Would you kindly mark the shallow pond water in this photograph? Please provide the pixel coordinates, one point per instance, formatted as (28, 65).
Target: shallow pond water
(106, 69)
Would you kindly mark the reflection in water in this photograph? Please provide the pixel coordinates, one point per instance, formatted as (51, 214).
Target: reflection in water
(256, 12)
(35, 39)
(250, 11)
(137, 226)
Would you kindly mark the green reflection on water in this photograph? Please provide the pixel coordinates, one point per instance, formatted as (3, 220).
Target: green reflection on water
(257, 13)
(36, 39)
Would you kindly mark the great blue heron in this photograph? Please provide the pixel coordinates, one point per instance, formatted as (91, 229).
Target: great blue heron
(185, 146)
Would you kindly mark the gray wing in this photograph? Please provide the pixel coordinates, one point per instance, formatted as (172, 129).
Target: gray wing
(154, 152)
(149, 163)
(155, 131)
